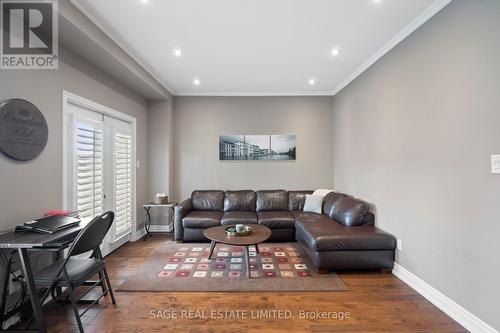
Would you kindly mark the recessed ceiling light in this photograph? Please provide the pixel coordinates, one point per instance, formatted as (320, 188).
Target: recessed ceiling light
(144, 1)
(377, 1)
(177, 52)
(335, 51)
(312, 82)
(196, 82)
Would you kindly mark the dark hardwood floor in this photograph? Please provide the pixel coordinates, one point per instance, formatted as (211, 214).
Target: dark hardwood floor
(376, 303)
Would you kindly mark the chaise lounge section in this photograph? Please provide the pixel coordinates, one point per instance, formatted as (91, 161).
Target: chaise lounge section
(342, 237)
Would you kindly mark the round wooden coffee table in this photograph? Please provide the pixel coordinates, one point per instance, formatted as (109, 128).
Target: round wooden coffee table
(258, 235)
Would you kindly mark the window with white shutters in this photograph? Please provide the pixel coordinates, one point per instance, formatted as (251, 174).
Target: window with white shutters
(123, 184)
(88, 165)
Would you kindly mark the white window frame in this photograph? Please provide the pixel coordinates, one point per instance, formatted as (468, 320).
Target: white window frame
(70, 98)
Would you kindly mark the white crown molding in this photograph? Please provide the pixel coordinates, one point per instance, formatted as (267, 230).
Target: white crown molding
(252, 93)
(414, 25)
(84, 10)
(448, 306)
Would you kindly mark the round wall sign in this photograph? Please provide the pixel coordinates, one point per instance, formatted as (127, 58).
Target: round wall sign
(23, 130)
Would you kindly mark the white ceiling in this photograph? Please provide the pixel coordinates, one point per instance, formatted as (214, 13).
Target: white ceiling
(257, 47)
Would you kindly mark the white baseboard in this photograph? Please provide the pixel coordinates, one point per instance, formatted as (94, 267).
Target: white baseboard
(154, 228)
(139, 234)
(448, 306)
(118, 243)
(160, 228)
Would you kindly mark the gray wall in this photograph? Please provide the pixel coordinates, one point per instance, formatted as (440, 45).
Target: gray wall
(199, 121)
(30, 189)
(414, 135)
(160, 148)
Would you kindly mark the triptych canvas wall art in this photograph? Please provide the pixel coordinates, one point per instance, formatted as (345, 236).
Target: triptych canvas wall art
(257, 147)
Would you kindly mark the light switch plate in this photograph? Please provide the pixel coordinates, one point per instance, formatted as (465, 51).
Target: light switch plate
(495, 164)
(399, 245)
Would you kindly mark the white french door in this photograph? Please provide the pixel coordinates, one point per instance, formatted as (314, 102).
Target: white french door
(100, 168)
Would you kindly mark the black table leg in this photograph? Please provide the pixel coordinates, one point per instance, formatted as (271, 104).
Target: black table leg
(248, 262)
(173, 225)
(58, 289)
(147, 224)
(212, 247)
(5, 290)
(32, 292)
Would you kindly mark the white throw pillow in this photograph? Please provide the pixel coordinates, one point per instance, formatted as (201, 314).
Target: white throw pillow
(313, 204)
(322, 192)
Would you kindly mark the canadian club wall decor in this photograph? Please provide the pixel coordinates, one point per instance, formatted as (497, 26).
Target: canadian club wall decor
(23, 130)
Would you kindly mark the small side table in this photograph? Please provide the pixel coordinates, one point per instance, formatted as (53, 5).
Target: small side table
(147, 223)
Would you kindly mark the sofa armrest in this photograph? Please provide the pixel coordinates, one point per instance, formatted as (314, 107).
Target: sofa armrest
(369, 219)
(180, 211)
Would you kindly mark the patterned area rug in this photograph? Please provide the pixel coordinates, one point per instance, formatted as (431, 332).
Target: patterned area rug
(186, 267)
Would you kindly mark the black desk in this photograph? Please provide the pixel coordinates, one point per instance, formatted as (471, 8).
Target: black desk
(25, 241)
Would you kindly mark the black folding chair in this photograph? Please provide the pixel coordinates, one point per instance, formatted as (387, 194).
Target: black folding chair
(73, 272)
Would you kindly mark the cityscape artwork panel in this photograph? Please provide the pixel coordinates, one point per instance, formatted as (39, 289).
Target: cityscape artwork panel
(257, 147)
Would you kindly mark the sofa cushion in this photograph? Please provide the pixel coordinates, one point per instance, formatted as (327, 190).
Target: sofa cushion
(208, 200)
(301, 214)
(350, 211)
(321, 233)
(330, 203)
(239, 201)
(272, 200)
(296, 199)
(276, 219)
(202, 219)
(239, 218)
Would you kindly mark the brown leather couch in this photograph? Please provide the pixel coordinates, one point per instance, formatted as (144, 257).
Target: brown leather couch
(342, 237)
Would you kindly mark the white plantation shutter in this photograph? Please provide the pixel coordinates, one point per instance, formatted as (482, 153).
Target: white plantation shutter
(123, 184)
(88, 170)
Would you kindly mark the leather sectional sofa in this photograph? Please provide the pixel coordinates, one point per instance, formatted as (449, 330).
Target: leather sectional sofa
(342, 237)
